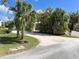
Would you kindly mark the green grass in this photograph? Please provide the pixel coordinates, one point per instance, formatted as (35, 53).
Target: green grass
(8, 41)
(3, 30)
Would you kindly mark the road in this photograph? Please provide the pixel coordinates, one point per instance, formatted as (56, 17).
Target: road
(50, 47)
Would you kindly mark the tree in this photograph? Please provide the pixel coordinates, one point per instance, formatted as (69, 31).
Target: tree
(74, 19)
(21, 10)
(30, 23)
(53, 22)
(25, 9)
(44, 24)
(59, 21)
(9, 25)
(16, 9)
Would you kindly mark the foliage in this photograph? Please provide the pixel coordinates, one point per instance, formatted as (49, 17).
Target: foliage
(44, 24)
(48, 21)
(74, 19)
(53, 22)
(4, 31)
(9, 24)
(59, 25)
(76, 27)
(21, 10)
(30, 21)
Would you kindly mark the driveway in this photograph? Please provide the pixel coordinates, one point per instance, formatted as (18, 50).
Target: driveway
(50, 47)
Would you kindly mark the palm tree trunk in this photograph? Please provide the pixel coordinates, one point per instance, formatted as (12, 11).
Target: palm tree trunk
(18, 34)
(22, 29)
(22, 33)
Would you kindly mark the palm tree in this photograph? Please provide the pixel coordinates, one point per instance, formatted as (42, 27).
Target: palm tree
(21, 10)
(16, 9)
(25, 9)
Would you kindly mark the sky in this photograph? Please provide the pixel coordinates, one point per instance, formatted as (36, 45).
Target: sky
(5, 13)
(67, 5)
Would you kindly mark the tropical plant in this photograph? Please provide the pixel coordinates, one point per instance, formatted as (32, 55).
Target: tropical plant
(74, 19)
(44, 23)
(21, 10)
(59, 24)
(54, 22)
(25, 9)
(30, 23)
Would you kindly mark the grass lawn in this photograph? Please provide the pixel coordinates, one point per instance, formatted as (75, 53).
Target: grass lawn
(8, 41)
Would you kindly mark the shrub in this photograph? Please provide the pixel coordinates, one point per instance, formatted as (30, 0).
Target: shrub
(76, 27)
(30, 20)
(54, 23)
(4, 31)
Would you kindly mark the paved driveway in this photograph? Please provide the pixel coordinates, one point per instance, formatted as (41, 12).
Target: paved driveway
(50, 47)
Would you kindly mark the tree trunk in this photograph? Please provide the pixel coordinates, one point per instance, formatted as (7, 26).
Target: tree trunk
(22, 33)
(22, 29)
(18, 34)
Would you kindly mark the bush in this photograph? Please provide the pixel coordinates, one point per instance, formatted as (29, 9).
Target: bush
(29, 26)
(4, 31)
(76, 27)
(59, 30)
(9, 25)
(44, 26)
(30, 22)
(44, 21)
(54, 23)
